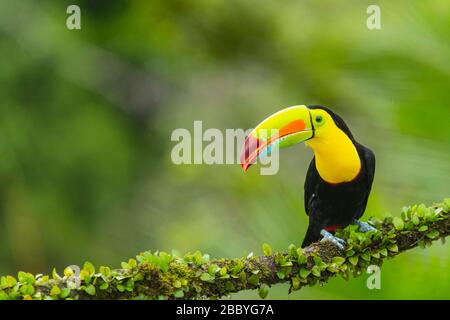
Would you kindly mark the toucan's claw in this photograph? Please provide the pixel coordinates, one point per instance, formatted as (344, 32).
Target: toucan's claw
(340, 243)
(364, 227)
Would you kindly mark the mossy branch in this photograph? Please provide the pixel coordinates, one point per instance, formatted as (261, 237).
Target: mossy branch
(161, 275)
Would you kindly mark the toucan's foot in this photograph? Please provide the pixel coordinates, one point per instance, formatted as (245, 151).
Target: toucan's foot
(364, 227)
(329, 237)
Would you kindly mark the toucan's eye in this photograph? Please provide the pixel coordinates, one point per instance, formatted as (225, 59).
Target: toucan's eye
(319, 119)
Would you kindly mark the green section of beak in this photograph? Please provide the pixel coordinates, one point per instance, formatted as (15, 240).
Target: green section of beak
(282, 129)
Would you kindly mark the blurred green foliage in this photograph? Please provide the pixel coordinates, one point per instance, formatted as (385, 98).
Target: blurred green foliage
(86, 117)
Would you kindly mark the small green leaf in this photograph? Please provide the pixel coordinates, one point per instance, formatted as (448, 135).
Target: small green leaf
(68, 272)
(423, 228)
(350, 253)
(432, 234)
(104, 286)
(315, 271)
(212, 269)
(343, 267)
(429, 214)
(132, 263)
(90, 290)
(301, 258)
(353, 260)
(55, 291)
(338, 260)
(421, 210)
(398, 223)
(366, 256)
(253, 280)
(138, 277)
(267, 249)
(129, 285)
(27, 289)
(64, 293)
(22, 276)
(26, 277)
(89, 267)
(178, 294)
(304, 272)
(223, 271)
(333, 268)
(406, 213)
(286, 264)
(206, 277)
(84, 275)
(319, 262)
(292, 250)
(263, 291)
(10, 281)
(281, 275)
(106, 271)
(295, 283)
(393, 248)
(384, 252)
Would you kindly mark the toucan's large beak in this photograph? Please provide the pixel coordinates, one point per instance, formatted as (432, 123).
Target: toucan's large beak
(282, 129)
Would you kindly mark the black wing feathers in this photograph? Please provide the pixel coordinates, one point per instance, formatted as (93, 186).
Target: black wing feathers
(369, 166)
(311, 182)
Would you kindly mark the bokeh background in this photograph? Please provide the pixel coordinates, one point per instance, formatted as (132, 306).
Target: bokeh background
(86, 118)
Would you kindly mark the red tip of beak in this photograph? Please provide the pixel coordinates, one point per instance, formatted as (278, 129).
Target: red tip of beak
(250, 151)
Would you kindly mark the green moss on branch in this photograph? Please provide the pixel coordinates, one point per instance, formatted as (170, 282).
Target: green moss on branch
(160, 275)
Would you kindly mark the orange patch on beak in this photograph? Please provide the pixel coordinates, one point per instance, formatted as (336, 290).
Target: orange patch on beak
(292, 127)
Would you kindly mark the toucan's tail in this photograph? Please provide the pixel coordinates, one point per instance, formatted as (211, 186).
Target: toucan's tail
(311, 236)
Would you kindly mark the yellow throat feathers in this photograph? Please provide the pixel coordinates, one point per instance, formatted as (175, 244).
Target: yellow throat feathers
(337, 159)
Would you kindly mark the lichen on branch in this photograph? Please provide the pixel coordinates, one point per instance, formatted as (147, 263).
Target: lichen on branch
(160, 275)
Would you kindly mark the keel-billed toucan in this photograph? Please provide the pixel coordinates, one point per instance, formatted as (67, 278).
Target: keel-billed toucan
(340, 175)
